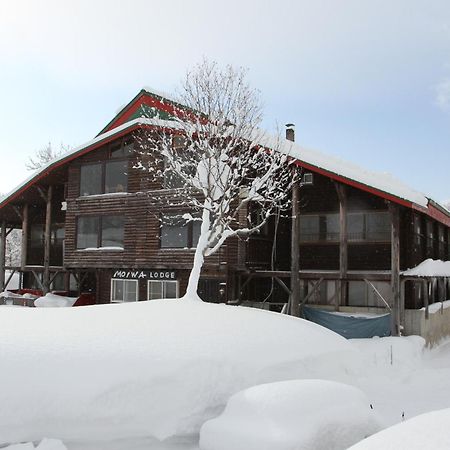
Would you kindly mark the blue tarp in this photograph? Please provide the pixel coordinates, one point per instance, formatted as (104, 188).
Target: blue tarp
(350, 327)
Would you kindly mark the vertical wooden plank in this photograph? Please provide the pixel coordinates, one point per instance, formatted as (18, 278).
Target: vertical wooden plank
(2, 256)
(47, 240)
(341, 293)
(25, 226)
(395, 267)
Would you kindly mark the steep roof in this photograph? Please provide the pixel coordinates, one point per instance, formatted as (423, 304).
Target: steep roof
(160, 112)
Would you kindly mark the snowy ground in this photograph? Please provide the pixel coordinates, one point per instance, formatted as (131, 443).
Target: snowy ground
(124, 377)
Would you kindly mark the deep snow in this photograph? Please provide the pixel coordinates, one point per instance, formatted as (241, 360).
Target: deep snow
(156, 369)
(126, 376)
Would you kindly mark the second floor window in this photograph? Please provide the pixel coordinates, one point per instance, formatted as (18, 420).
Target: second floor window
(105, 177)
(100, 232)
(177, 233)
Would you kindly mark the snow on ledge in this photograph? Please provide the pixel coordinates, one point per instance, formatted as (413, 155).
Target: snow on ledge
(429, 268)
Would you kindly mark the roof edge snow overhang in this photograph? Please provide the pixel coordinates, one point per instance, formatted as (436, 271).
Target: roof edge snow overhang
(433, 209)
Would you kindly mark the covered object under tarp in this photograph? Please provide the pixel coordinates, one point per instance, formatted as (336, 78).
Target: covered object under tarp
(350, 326)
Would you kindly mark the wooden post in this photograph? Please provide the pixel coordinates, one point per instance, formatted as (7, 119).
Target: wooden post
(24, 236)
(395, 267)
(295, 236)
(295, 253)
(341, 293)
(2, 256)
(47, 240)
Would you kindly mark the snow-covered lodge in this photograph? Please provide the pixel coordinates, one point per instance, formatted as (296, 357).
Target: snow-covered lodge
(90, 225)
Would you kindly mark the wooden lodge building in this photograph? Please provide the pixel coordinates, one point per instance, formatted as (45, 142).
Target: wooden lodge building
(89, 224)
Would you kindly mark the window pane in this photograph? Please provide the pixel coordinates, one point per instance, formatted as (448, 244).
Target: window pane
(357, 294)
(91, 179)
(116, 177)
(112, 231)
(309, 228)
(155, 290)
(117, 150)
(355, 227)
(130, 291)
(196, 225)
(332, 227)
(174, 232)
(87, 232)
(117, 291)
(170, 289)
(378, 226)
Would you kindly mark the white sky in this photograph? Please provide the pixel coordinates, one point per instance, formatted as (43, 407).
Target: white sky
(368, 81)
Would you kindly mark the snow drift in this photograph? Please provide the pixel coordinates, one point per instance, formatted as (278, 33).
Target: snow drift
(155, 369)
(288, 415)
(427, 431)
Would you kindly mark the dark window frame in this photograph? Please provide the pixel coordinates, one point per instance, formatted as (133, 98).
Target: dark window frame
(110, 159)
(190, 231)
(100, 219)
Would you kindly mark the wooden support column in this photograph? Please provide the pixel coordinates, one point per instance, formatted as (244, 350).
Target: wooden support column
(294, 303)
(341, 293)
(2, 256)
(395, 268)
(47, 240)
(23, 257)
(295, 252)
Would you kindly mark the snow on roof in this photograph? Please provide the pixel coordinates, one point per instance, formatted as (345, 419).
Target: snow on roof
(429, 268)
(381, 181)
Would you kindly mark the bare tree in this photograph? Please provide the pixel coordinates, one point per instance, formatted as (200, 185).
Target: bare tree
(217, 158)
(45, 155)
(13, 248)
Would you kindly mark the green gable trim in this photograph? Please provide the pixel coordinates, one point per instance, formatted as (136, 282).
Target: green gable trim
(150, 112)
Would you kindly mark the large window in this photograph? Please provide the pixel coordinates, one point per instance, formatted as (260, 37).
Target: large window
(361, 226)
(124, 290)
(177, 233)
(100, 232)
(109, 176)
(162, 289)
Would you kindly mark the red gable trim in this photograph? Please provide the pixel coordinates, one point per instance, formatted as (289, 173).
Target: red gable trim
(145, 98)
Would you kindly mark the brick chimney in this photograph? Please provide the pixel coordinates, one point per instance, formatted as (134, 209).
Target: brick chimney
(290, 132)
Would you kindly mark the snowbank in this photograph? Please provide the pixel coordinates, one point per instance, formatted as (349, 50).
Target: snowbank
(427, 431)
(45, 444)
(429, 268)
(147, 369)
(298, 414)
(54, 301)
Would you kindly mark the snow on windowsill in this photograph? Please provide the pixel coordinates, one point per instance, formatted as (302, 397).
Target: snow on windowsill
(109, 194)
(96, 249)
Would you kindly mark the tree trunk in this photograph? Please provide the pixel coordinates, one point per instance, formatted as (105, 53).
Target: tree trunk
(194, 277)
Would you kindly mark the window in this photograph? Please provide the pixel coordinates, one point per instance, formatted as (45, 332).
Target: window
(124, 290)
(100, 231)
(355, 227)
(378, 226)
(309, 228)
(332, 227)
(362, 294)
(91, 179)
(162, 289)
(177, 233)
(368, 226)
(108, 176)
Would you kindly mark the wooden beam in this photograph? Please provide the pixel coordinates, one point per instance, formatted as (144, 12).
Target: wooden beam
(25, 227)
(47, 240)
(341, 292)
(395, 267)
(2, 256)
(295, 252)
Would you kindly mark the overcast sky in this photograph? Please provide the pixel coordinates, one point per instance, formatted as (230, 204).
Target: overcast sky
(366, 80)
